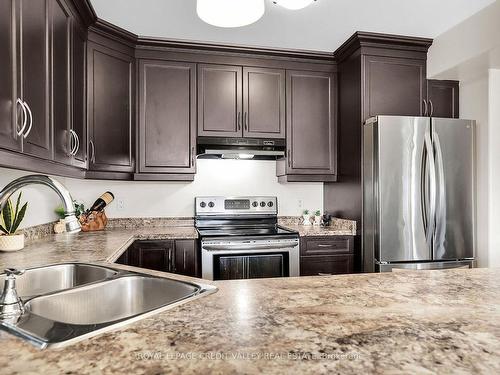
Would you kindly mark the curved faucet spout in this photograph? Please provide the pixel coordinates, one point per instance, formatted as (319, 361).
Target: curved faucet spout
(72, 223)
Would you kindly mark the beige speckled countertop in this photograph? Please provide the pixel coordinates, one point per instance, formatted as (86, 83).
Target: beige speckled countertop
(408, 322)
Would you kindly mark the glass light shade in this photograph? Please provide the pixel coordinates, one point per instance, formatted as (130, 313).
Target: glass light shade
(230, 13)
(294, 4)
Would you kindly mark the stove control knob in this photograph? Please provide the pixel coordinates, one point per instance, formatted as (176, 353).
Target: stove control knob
(263, 204)
(270, 204)
(211, 204)
(203, 204)
(255, 204)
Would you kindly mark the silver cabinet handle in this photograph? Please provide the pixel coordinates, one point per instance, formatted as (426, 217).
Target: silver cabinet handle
(239, 120)
(77, 148)
(76, 145)
(425, 107)
(432, 107)
(25, 116)
(72, 142)
(31, 120)
(246, 121)
(92, 155)
(324, 245)
(324, 274)
(193, 156)
(289, 159)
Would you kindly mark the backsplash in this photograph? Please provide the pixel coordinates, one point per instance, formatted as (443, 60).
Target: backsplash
(137, 199)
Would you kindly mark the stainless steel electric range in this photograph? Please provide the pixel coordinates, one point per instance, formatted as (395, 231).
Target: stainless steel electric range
(241, 239)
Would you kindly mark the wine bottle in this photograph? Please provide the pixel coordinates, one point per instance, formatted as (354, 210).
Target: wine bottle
(102, 202)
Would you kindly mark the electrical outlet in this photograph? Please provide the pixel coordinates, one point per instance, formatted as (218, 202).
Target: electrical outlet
(300, 203)
(120, 205)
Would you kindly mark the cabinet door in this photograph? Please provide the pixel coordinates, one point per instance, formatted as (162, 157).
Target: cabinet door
(263, 103)
(33, 76)
(110, 90)
(442, 97)
(393, 86)
(311, 122)
(328, 265)
(60, 32)
(167, 122)
(10, 112)
(185, 258)
(79, 123)
(155, 255)
(219, 101)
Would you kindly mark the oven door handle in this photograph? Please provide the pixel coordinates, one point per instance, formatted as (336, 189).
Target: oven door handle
(249, 247)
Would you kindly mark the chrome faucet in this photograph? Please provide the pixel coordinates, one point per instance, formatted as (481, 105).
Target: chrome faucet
(11, 306)
(71, 222)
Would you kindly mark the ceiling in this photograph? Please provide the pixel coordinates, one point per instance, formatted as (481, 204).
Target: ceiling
(323, 26)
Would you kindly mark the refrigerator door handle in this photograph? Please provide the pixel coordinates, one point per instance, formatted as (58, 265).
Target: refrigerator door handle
(431, 207)
(441, 194)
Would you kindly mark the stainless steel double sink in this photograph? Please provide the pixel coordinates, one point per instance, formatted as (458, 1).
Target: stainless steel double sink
(72, 301)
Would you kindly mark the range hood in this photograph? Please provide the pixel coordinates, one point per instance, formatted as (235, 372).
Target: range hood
(240, 148)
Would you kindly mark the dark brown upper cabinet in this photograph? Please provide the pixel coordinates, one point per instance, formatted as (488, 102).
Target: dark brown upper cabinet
(311, 127)
(263, 103)
(167, 117)
(379, 74)
(10, 110)
(219, 100)
(60, 47)
(79, 124)
(110, 90)
(393, 86)
(33, 77)
(442, 98)
(235, 102)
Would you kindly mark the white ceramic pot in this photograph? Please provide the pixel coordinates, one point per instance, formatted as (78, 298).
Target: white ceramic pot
(317, 220)
(306, 220)
(13, 242)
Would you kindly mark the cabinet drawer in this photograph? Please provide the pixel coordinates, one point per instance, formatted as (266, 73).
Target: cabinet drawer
(327, 245)
(330, 265)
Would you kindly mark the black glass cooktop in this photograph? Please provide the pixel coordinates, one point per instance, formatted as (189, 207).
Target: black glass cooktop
(223, 232)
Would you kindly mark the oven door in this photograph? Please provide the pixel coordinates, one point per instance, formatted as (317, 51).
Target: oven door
(249, 259)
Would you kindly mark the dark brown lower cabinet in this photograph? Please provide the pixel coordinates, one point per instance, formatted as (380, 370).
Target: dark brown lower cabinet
(176, 256)
(326, 255)
(328, 265)
(186, 258)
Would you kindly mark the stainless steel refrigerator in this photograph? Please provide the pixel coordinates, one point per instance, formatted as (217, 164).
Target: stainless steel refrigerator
(418, 193)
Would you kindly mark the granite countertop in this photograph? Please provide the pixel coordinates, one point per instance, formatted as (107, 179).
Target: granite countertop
(406, 322)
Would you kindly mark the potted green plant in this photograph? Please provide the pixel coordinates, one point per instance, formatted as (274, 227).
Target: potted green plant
(306, 219)
(317, 217)
(11, 218)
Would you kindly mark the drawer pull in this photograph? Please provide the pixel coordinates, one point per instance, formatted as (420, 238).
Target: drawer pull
(324, 274)
(324, 245)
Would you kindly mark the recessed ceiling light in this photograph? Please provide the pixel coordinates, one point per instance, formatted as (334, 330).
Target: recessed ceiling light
(293, 4)
(230, 13)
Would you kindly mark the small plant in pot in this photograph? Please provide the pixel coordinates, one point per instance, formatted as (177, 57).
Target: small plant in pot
(317, 217)
(306, 219)
(11, 218)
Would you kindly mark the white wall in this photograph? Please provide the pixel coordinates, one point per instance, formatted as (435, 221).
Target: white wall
(173, 199)
(474, 105)
(494, 163)
(470, 53)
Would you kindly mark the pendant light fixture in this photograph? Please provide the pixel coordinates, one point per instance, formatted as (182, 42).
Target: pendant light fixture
(293, 4)
(230, 13)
